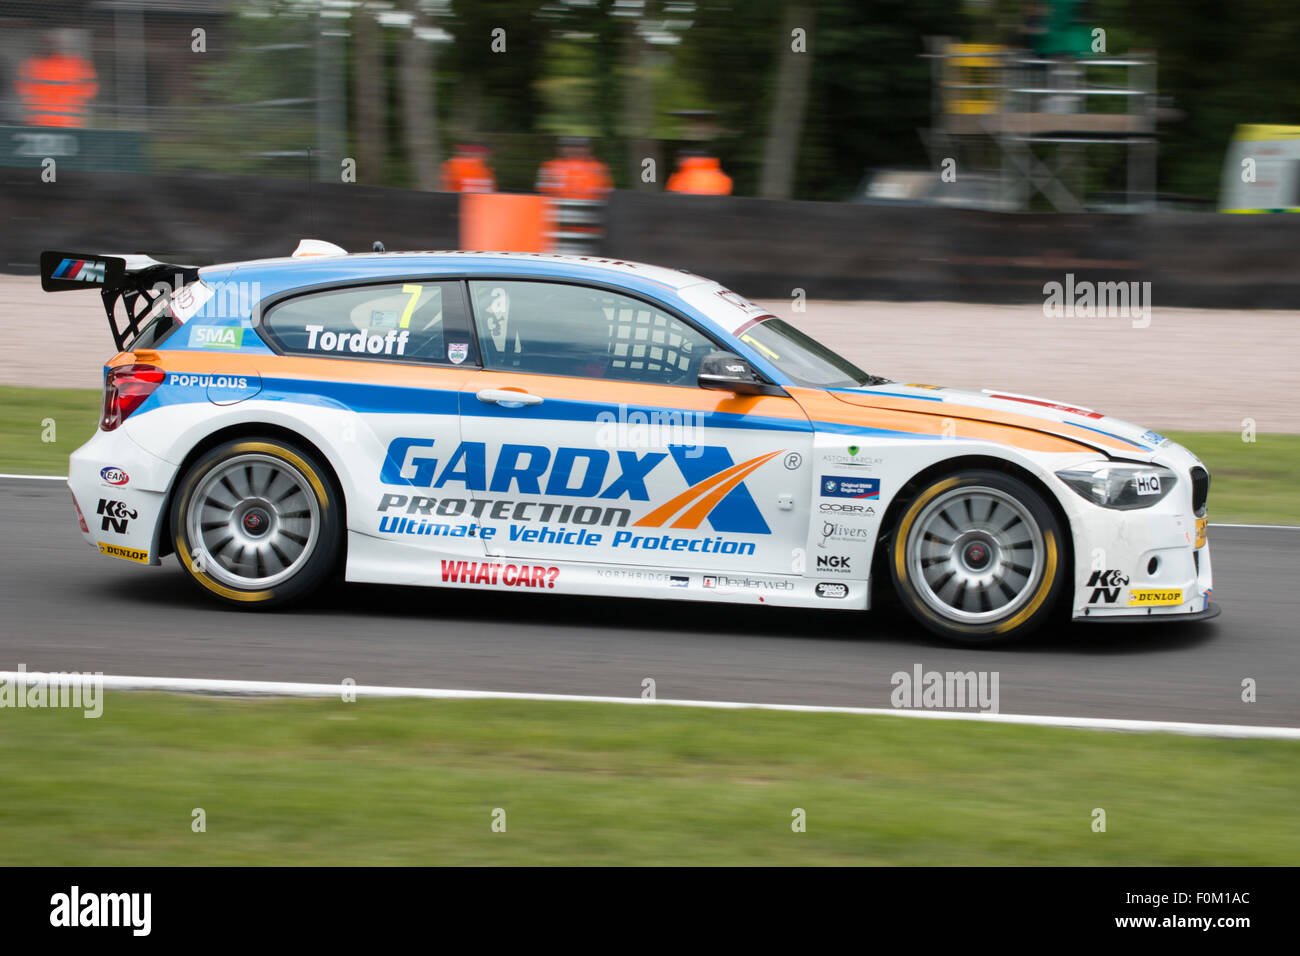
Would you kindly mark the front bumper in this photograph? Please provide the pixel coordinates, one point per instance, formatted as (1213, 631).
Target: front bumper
(1211, 611)
(1143, 564)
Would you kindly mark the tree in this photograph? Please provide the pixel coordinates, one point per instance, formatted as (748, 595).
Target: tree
(785, 123)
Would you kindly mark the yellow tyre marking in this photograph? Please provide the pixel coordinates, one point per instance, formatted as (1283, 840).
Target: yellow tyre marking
(1049, 573)
(900, 539)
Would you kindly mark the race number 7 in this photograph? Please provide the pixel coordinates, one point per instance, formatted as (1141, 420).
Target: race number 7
(414, 291)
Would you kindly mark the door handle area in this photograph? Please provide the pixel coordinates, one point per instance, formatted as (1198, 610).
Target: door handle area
(508, 398)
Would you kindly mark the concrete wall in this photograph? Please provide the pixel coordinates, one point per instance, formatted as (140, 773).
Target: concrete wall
(201, 219)
(854, 251)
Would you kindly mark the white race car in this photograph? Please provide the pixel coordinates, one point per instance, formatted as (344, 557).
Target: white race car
(588, 426)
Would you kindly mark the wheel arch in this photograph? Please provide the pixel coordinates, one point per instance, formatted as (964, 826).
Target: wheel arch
(252, 430)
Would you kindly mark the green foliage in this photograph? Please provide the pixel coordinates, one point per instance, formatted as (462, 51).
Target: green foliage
(567, 68)
(231, 125)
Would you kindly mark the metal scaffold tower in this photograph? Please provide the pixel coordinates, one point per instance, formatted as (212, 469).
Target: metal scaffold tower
(1025, 122)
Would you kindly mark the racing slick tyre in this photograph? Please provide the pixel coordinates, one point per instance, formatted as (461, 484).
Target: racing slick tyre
(978, 558)
(257, 522)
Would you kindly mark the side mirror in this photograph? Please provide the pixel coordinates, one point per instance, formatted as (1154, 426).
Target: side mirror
(728, 372)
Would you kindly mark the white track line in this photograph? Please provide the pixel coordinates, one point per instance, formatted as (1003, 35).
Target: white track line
(245, 688)
(1277, 527)
(1281, 527)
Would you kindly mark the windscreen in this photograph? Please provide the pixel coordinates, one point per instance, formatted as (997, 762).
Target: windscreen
(803, 358)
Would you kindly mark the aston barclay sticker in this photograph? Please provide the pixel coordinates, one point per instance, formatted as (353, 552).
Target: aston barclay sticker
(457, 352)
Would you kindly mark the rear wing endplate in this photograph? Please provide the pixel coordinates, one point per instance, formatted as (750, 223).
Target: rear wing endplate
(136, 281)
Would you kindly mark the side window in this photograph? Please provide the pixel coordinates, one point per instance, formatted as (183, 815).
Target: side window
(401, 321)
(554, 329)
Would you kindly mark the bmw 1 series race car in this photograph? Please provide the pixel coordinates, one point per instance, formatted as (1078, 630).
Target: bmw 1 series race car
(587, 426)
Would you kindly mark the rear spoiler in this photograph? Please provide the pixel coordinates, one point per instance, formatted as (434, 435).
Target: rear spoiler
(136, 280)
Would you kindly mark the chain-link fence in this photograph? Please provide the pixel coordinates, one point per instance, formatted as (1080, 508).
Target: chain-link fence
(170, 85)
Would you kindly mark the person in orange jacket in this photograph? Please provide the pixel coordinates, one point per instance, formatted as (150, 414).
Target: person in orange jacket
(575, 173)
(699, 174)
(467, 171)
(56, 87)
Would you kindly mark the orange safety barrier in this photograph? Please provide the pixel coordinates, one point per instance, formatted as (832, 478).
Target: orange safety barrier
(505, 222)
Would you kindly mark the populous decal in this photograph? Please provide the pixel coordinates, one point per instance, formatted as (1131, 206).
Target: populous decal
(236, 382)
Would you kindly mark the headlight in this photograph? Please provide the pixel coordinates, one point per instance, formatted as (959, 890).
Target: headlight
(1118, 484)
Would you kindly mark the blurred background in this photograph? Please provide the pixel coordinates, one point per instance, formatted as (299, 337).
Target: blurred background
(889, 138)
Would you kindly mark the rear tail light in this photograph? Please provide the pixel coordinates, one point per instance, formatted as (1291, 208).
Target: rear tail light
(125, 389)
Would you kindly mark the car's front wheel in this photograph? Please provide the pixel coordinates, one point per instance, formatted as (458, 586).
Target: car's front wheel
(257, 522)
(978, 557)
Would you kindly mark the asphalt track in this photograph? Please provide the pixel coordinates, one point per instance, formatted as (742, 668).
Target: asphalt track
(63, 607)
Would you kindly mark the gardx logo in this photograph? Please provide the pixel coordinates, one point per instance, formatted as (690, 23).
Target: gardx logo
(716, 492)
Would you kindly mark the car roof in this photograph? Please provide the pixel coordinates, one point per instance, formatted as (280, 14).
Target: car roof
(289, 273)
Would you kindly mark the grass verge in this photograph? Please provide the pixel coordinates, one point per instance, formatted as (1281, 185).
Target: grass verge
(41, 427)
(1253, 482)
(416, 782)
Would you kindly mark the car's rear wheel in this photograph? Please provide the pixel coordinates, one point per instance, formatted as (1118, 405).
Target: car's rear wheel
(977, 557)
(257, 522)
